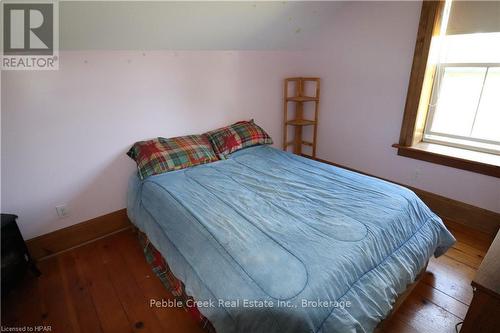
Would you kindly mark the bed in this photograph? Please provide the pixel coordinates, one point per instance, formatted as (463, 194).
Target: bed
(268, 241)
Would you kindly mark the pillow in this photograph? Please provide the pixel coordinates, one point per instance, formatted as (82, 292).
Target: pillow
(227, 140)
(162, 155)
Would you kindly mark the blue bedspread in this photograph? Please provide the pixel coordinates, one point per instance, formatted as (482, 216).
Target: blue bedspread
(279, 243)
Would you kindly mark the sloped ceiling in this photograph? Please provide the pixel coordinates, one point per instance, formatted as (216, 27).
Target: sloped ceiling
(157, 25)
(474, 16)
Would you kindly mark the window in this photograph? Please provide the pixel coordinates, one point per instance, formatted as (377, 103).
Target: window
(464, 110)
(452, 113)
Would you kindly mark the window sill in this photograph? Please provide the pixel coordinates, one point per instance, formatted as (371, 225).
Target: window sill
(486, 164)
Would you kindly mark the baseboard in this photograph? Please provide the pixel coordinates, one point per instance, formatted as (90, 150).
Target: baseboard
(471, 216)
(64, 239)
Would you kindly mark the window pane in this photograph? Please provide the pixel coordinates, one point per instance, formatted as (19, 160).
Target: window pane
(471, 48)
(487, 124)
(457, 100)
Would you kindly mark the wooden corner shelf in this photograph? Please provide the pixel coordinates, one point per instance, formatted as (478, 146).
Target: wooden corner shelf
(298, 120)
(302, 99)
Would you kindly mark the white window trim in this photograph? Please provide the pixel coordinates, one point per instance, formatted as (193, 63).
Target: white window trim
(486, 146)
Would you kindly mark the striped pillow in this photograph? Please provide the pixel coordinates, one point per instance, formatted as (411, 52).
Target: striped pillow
(227, 140)
(162, 155)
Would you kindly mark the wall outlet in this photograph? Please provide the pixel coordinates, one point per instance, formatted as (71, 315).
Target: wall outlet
(62, 211)
(417, 173)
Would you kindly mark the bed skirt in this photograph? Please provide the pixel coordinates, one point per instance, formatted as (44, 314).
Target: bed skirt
(173, 284)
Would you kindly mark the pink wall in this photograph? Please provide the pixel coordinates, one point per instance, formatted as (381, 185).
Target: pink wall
(65, 132)
(364, 64)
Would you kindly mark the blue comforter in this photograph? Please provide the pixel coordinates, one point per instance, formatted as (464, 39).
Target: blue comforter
(274, 242)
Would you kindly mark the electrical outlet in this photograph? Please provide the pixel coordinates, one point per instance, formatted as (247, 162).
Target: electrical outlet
(417, 173)
(62, 211)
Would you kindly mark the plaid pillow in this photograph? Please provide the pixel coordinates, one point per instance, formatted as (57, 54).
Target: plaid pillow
(162, 155)
(227, 140)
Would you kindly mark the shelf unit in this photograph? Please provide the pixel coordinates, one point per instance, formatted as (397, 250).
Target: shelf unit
(298, 121)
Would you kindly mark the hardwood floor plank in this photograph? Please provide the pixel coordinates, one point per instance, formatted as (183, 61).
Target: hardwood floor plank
(171, 319)
(464, 258)
(469, 250)
(450, 277)
(397, 324)
(442, 300)
(109, 310)
(80, 299)
(53, 298)
(425, 316)
(474, 238)
(134, 303)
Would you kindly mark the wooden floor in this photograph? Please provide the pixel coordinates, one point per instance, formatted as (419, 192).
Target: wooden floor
(106, 286)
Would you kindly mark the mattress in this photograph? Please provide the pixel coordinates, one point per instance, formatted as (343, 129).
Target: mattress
(267, 241)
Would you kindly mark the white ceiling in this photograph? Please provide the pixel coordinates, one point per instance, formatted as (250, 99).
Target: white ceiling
(158, 25)
(474, 16)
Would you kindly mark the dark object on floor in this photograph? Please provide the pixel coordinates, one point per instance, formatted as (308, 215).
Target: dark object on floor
(15, 256)
(485, 306)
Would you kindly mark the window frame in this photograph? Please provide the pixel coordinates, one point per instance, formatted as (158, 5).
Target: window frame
(411, 143)
(431, 112)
